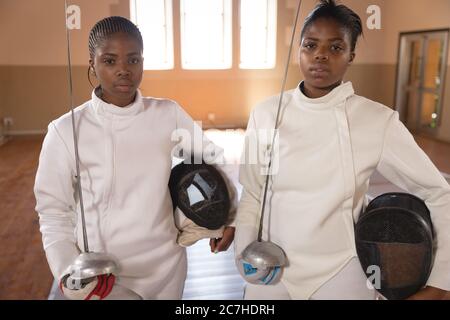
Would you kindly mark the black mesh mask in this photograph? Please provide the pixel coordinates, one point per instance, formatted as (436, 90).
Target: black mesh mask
(395, 233)
(201, 194)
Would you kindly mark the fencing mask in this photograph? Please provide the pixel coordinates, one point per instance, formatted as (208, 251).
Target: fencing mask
(201, 193)
(395, 240)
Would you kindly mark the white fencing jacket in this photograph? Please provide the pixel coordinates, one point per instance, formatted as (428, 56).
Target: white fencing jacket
(327, 150)
(125, 162)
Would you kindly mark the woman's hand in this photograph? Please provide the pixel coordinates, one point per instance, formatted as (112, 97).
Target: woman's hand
(96, 288)
(429, 293)
(222, 244)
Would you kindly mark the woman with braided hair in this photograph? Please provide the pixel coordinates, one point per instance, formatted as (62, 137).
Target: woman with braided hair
(330, 141)
(125, 151)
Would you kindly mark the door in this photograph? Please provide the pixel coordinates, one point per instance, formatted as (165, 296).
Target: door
(420, 82)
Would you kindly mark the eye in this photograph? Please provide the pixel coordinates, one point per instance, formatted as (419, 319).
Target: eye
(108, 61)
(336, 48)
(134, 60)
(309, 45)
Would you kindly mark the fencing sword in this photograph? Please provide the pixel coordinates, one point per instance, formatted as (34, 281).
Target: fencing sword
(88, 264)
(262, 261)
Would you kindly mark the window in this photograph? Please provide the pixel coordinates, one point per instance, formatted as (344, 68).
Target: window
(154, 19)
(206, 34)
(258, 34)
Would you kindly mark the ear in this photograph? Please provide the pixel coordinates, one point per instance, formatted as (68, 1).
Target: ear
(352, 57)
(91, 67)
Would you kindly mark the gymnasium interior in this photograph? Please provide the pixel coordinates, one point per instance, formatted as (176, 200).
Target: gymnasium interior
(217, 59)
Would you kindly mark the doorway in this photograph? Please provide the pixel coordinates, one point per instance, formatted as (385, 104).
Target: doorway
(420, 79)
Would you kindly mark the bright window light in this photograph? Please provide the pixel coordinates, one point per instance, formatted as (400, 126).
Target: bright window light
(206, 34)
(154, 19)
(258, 34)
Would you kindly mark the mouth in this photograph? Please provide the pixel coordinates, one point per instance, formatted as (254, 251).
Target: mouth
(319, 71)
(124, 86)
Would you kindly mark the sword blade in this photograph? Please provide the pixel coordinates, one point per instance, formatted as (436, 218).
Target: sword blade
(75, 137)
(280, 102)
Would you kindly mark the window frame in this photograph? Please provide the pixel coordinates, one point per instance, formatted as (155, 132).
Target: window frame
(271, 38)
(227, 29)
(169, 54)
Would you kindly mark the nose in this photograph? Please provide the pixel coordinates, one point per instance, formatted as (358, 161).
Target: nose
(321, 54)
(321, 57)
(123, 73)
(122, 70)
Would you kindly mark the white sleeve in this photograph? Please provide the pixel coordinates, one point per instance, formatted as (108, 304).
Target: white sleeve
(406, 165)
(194, 143)
(252, 180)
(55, 203)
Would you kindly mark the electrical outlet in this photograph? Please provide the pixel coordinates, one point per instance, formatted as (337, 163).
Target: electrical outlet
(8, 122)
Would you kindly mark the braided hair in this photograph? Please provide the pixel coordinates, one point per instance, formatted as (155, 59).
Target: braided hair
(103, 29)
(346, 17)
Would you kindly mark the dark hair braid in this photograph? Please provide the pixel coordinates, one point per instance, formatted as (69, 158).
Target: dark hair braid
(109, 26)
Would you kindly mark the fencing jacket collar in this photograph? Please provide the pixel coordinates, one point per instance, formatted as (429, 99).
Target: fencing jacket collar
(337, 95)
(107, 109)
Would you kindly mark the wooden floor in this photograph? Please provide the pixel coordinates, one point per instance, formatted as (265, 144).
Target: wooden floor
(24, 272)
